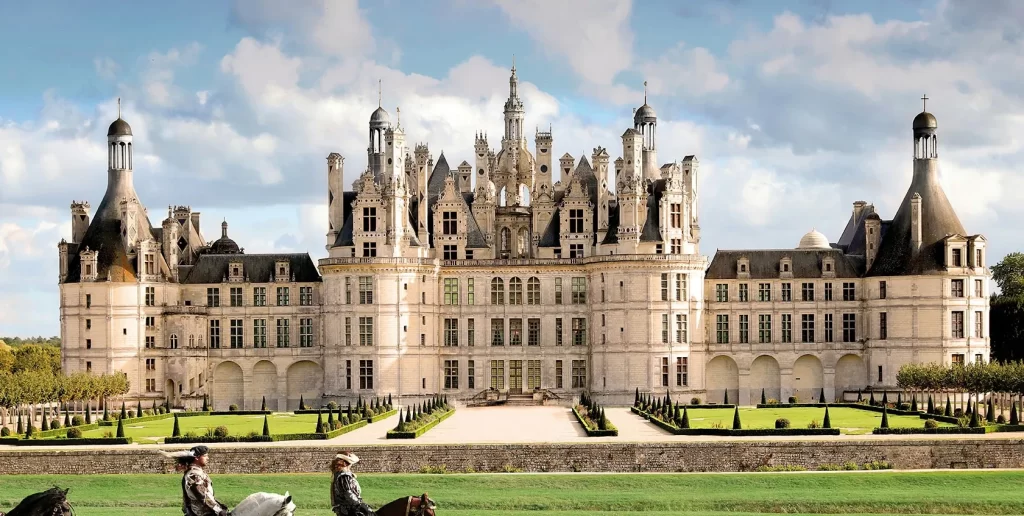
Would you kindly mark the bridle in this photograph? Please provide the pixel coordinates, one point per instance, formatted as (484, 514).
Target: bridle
(425, 507)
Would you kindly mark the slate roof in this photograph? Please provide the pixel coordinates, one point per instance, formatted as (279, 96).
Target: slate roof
(765, 263)
(652, 226)
(259, 268)
(104, 236)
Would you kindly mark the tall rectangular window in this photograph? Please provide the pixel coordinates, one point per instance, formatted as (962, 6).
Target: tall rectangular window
(150, 342)
(348, 290)
(958, 260)
(451, 291)
(283, 296)
(829, 336)
(664, 286)
(883, 326)
(680, 286)
(579, 291)
(764, 291)
(348, 331)
(498, 374)
(681, 328)
(533, 332)
(305, 296)
(284, 333)
(533, 374)
(259, 296)
(744, 293)
(471, 331)
(676, 209)
(807, 290)
(366, 374)
(348, 374)
(236, 334)
(677, 246)
(497, 332)
(579, 331)
(370, 220)
(682, 372)
(306, 332)
(979, 324)
(579, 374)
(957, 325)
(807, 327)
(515, 332)
(150, 296)
(722, 328)
(558, 291)
(828, 291)
(576, 221)
(366, 331)
(366, 290)
(214, 335)
(979, 288)
(957, 359)
(470, 292)
(849, 327)
(212, 297)
(451, 332)
(787, 291)
(369, 249)
(977, 258)
(664, 328)
(787, 327)
(259, 333)
(559, 373)
(471, 374)
(764, 328)
(722, 292)
(450, 252)
(882, 290)
(558, 331)
(744, 329)
(664, 371)
(449, 222)
(150, 264)
(451, 374)
(957, 287)
(849, 291)
(497, 291)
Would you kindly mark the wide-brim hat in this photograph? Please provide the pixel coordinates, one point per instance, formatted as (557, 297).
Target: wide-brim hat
(350, 458)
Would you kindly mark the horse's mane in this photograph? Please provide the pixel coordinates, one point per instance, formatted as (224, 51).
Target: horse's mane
(34, 503)
(257, 502)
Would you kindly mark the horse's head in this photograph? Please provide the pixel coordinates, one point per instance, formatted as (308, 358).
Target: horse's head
(265, 504)
(52, 502)
(287, 507)
(423, 506)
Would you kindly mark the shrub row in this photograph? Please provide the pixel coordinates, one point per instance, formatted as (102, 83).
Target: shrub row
(396, 434)
(733, 432)
(135, 420)
(239, 413)
(255, 438)
(382, 416)
(609, 430)
(192, 414)
(591, 415)
(939, 430)
(65, 442)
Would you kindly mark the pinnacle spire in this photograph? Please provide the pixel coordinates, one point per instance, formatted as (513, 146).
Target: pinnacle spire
(924, 101)
(118, 107)
(645, 92)
(380, 92)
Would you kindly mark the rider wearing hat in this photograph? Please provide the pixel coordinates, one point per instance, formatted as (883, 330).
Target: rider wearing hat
(196, 487)
(346, 496)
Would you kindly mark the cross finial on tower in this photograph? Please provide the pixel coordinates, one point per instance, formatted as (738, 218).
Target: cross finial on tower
(118, 107)
(645, 92)
(924, 101)
(380, 92)
(513, 63)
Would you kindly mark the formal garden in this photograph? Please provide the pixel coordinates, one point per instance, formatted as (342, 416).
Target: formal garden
(417, 419)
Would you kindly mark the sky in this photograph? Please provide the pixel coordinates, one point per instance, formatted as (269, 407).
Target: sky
(794, 109)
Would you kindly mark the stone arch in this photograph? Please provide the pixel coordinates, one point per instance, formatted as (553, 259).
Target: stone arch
(264, 383)
(523, 243)
(851, 374)
(808, 378)
(506, 242)
(524, 195)
(305, 380)
(169, 394)
(721, 375)
(765, 374)
(228, 386)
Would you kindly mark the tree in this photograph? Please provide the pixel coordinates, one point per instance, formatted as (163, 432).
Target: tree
(828, 421)
(931, 405)
(330, 419)
(120, 428)
(725, 401)
(124, 413)
(885, 417)
(266, 427)
(177, 429)
(1014, 417)
(764, 401)
(686, 419)
(302, 403)
(990, 414)
(6, 360)
(974, 420)
(319, 423)
(736, 420)
(821, 396)
(1009, 275)
(948, 412)
(263, 407)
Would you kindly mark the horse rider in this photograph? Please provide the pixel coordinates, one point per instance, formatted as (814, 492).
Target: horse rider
(346, 496)
(196, 487)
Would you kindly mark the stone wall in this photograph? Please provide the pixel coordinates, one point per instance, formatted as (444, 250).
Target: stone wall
(591, 457)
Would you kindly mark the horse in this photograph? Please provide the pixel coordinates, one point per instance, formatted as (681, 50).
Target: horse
(52, 502)
(409, 506)
(265, 504)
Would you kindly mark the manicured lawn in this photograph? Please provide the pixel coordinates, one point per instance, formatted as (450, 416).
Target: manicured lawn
(851, 421)
(152, 431)
(947, 492)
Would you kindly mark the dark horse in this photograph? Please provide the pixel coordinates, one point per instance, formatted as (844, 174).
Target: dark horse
(52, 502)
(409, 506)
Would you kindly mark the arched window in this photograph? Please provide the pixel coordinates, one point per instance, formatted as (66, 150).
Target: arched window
(174, 341)
(515, 291)
(533, 291)
(523, 243)
(191, 341)
(497, 291)
(506, 242)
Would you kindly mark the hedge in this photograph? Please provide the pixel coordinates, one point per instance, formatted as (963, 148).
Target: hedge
(191, 414)
(734, 433)
(797, 405)
(860, 406)
(312, 436)
(136, 420)
(939, 430)
(596, 432)
(240, 413)
(66, 442)
(382, 416)
(394, 434)
(61, 432)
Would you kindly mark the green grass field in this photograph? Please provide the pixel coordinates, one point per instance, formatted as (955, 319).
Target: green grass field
(851, 421)
(153, 431)
(947, 492)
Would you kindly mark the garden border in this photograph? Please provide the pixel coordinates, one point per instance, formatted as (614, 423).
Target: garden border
(312, 436)
(394, 434)
(597, 432)
(744, 432)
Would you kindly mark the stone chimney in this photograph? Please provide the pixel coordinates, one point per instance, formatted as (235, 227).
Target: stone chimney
(915, 223)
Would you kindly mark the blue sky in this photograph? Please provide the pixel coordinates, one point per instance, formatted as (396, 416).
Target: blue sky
(795, 109)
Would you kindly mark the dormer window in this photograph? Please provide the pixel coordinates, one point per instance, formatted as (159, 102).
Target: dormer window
(743, 267)
(977, 258)
(236, 272)
(957, 258)
(282, 271)
(786, 267)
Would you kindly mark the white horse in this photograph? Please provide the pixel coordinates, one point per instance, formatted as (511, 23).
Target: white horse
(265, 504)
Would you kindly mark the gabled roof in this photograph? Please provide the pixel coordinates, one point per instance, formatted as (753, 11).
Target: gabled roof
(258, 268)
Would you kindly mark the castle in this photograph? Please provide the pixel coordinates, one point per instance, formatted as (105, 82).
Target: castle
(500, 277)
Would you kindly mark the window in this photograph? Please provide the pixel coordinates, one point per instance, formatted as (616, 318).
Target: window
(149, 264)
(283, 333)
(236, 334)
(744, 329)
(957, 259)
(214, 334)
(366, 374)
(787, 327)
(370, 249)
(579, 374)
(305, 296)
(579, 331)
(664, 371)
(283, 296)
(664, 286)
(558, 374)
(849, 327)
(88, 365)
(236, 296)
(451, 332)
(979, 288)
(722, 328)
(348, 290)
(259, 296)
(370, 220)
(558, 331)
(807, 292)
(450, 252)
(471, 374)
(451, 374)
(956, 287)
(497, 291)
(497, 374)
(348, 331)
(213, 297)
(150, 342)
(881, 290)
(575, 250)
(451, 291)
(764, 291)
(979, 324)
(744, 293)
(533, 291)
(348, 374)
(515, 332)
(977, 258)
(532, 374)
(576, 221)
(151, 364)
(88, 323)
(680, 286)
(958, 359)
(879, 374)
(828, 291)
(664, 328)
(471, 332)
(150, 384)
(449, 223)
(677, 246)
(957, 325)
(366, 331)
(579, 291)
(470, 292)
(533, 332)
(978, 359)
(722, 293)
(88, 304)
(681, 327)
(828, 328)
(150, 296)
(764, 328)
(306, 332)
(682, 372)
(807, 327)
(366, 290)
(849, 292)
(150, 322)
(676, 209)
(515, 291)
(787, 291)
(497, 332)
(558, 291)
(259, 333)
(883, 326)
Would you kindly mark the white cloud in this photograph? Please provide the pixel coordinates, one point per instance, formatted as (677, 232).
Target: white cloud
(684, 72)
(106, 68)
(334, 27)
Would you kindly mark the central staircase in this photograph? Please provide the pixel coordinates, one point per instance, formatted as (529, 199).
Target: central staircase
(490, 397)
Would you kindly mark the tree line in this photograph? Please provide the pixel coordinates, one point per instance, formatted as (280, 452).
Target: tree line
(1003, 381)
(1006, 312)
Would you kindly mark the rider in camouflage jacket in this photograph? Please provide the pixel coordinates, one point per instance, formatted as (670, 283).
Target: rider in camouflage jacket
(346, 495)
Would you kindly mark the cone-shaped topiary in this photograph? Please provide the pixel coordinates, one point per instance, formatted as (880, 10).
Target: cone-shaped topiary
(408, 415)
(348, 411)
(764, 400)
(88, 416)
(67, 419)
(30, 430)
(871, 400)
(44, 426)
(827, 423)
(206, 403)
(177, 429)
(913, 403)
(899, 399)
(21, 426)
(302, 403)
(106, 413)
(885, 417)
(120, 428)
(821, 396)
(931, 405)
(124, 413)
(138, 410)
(974, 420)
(990, 414)
(1014, 417)
(319, 423)
(726, 397)
(390, 404)
(330, 419)
(736, 420)
(636, 398)
(885, 398)
(686, 419)
(860, 396)
(263, 406)
(949, 408)
(266, 427)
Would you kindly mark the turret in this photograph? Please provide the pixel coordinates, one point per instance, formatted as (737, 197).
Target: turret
(514, 114)
(465, 172)
(645, 122)
(380, 122)
(79, 220)
(335, 196)
(599, 160)
(169, 242)
(565, 166)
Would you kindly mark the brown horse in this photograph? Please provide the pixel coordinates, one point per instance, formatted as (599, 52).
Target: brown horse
(52, 502)
(409, 506)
